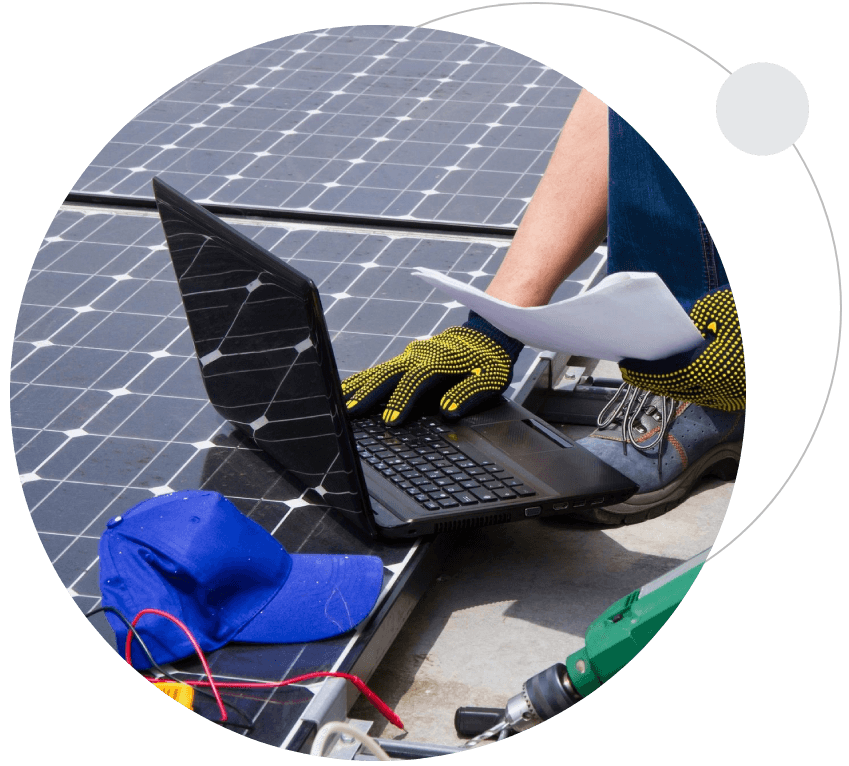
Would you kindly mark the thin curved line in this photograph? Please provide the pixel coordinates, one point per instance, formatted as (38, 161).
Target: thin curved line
(833, 372)
(576, 5)
(819, 196)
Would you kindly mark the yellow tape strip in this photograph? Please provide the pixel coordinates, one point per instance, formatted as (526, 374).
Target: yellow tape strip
(182, 693)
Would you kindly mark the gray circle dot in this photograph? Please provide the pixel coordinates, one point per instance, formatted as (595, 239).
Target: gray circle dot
(762, 109)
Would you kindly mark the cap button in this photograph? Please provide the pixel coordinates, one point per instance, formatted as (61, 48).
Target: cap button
(114, 522)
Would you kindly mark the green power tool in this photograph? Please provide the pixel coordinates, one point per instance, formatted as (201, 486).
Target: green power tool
(612, 640)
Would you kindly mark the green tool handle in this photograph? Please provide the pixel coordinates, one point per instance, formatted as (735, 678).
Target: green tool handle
(624, 628)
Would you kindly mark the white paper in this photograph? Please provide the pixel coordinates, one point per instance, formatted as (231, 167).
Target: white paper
(628, 314)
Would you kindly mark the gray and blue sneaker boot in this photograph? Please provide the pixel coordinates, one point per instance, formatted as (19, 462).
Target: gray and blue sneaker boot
(663, 445)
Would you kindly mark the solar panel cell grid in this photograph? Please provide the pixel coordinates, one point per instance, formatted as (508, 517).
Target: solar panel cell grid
(374, 123)
(383, 122)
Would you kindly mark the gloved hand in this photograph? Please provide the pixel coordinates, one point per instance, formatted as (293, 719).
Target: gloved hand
(712, 375)
(475, 363)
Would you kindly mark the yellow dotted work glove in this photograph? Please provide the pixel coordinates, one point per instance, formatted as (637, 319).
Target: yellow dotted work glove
(714, 374)
(474, 362)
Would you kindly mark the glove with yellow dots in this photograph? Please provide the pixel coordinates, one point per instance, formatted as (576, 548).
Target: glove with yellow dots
(475, 363)
(711, 375)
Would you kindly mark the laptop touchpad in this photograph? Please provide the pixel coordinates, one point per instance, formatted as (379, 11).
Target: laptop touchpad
(521, 437)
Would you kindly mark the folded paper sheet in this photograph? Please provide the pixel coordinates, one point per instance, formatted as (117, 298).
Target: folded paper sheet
(629, 314)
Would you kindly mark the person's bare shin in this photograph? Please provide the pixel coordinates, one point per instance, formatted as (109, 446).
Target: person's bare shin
(567, 218)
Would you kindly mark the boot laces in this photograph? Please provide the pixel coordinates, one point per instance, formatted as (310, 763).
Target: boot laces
(626, 408)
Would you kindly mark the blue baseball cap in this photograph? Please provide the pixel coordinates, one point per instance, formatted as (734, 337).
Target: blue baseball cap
(194, 555)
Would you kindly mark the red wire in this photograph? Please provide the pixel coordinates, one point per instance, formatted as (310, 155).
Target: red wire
(384, 709)
(184, 628)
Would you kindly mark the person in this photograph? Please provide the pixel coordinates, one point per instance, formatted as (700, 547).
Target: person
(672, 421)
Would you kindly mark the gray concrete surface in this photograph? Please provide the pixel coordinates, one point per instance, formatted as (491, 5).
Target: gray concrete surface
(513, 600)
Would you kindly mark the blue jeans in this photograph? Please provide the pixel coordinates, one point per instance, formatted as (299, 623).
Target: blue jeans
(652, 223)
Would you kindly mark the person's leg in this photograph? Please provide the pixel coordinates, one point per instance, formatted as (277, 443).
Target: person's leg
(653, 224)
(667, 444)
(566, 219)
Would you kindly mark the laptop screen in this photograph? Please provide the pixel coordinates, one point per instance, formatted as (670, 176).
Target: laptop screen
(264, 353)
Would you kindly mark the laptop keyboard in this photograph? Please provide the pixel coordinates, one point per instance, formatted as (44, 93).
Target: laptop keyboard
(419, 460)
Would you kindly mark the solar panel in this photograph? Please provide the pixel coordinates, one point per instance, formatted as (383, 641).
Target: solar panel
(384, 122)
(354, 132)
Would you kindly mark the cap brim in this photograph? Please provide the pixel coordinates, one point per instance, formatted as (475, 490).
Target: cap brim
(324, 595)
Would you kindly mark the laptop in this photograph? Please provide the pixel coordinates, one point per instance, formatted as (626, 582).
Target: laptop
(268, 367)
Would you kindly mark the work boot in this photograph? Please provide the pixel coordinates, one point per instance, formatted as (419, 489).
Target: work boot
(664, 446)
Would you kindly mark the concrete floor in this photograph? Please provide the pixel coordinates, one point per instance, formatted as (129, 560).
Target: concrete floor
(515, 599)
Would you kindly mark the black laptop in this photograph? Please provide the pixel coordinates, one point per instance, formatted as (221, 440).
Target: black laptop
(268, 367)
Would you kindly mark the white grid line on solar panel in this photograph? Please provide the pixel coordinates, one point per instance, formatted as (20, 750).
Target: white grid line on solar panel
(427, 299)
(389, 237)
(90, 239)
(283, 672)
(81, 430)
(76, 432)
(378, 179)
(406, 55)
(120, 486)
(250, 282)
(256, 230)
(199, 444)
(505, 191)
(86, 569)
(88, 307)
(113, 434)
(340, 45)
(344, 110)
(104, 512)
(411, 305)
(238, 173)
(71, 587)
(392, 270)
(367, 85)
(201, 75)
(289, 504)
(99, 515)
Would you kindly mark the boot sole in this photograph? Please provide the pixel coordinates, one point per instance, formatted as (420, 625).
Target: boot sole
(722, 461)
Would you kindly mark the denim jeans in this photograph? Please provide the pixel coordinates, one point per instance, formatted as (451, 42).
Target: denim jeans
(652, 223)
